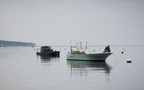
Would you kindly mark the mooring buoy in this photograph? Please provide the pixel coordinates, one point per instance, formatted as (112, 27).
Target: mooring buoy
(122, 52)
(129, 60)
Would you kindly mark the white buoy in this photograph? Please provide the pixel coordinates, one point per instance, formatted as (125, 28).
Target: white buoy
(129, 60)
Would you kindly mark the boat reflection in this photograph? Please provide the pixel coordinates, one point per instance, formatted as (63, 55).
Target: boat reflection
(83, 67)
(47, 59)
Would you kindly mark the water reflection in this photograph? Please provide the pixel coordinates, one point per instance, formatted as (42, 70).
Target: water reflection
(83, 67)
(47, 59)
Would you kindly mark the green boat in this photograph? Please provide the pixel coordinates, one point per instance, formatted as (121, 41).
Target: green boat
(89, 57)
(80, 55)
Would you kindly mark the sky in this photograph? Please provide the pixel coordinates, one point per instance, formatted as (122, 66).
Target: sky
(57, 22)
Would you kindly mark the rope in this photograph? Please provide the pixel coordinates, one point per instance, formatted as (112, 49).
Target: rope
(115, 57)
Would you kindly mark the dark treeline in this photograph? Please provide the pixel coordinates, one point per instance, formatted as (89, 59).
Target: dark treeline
(15, 43)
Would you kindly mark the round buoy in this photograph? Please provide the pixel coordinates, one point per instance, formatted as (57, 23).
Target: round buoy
(122, 52)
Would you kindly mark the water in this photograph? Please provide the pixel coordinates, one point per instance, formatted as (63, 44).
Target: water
(22, 69)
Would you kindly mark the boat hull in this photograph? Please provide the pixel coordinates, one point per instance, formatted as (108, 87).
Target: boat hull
(50, 53)
(88, 57)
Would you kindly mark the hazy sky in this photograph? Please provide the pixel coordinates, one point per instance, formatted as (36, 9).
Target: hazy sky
(57, 22)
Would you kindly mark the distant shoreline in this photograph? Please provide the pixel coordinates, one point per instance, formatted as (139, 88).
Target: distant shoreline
(15, 43)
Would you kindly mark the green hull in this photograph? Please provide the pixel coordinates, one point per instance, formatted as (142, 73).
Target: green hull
(89, 57)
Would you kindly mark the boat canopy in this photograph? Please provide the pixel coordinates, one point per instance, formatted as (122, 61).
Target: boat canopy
(45, 48)
(107, 49)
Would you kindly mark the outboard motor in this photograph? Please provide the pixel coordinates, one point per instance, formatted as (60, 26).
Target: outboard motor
(107, 49)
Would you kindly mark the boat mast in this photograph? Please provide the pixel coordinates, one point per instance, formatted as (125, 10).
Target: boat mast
(71, 46)
(76, 45)
(80, 45)
(86, 45)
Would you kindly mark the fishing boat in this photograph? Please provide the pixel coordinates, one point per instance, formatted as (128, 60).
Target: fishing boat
(81, 55)
(47, 51)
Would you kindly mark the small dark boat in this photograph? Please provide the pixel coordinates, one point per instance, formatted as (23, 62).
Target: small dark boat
(47, 51)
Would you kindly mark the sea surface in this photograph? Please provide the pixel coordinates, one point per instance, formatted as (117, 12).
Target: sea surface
(22, 69)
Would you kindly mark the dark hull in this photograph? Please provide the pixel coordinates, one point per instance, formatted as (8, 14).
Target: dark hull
(50, 53)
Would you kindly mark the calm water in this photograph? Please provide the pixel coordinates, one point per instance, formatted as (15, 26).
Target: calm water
(22, 69)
